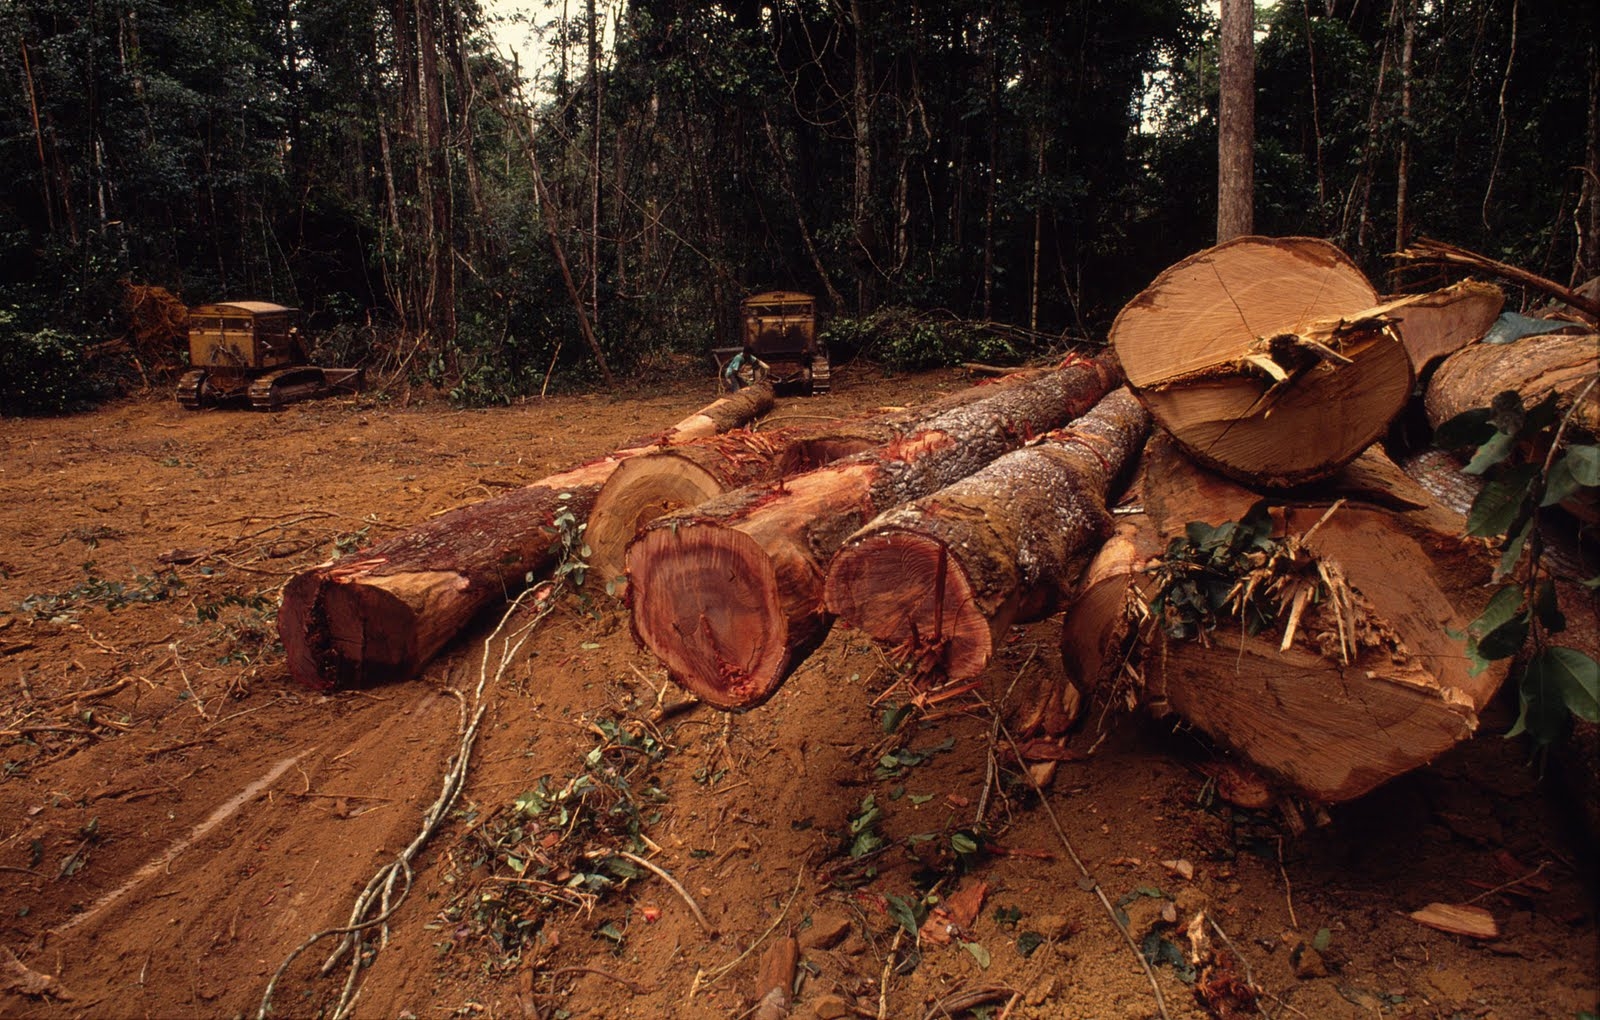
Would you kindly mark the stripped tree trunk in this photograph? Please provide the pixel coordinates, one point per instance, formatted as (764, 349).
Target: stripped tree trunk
(1368, 687)
(941, 578)
(382, 612)
(729, 595)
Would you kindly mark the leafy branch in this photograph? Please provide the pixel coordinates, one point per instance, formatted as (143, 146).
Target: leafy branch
(1557, 681)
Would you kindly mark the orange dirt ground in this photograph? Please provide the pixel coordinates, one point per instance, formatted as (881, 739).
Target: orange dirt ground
(176, 816)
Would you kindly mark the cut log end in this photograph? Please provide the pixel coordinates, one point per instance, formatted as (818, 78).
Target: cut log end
(640, 490)
(705, 600)
(906, 591)
(1303, 430)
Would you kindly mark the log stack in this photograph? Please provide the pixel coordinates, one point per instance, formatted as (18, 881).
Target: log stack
(729, 595)
(1271, 369)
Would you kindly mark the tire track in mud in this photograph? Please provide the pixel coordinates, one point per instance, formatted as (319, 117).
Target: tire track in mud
(204, 920)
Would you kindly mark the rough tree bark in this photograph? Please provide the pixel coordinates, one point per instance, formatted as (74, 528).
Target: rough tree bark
(1265, 358)
(666, 480)
(382, 612)
(941, 578)
(1533, 366)
(729, 595)
(1326, 722)
(1236, 121)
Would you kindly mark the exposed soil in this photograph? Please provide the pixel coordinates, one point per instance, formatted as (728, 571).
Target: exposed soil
(176, 816)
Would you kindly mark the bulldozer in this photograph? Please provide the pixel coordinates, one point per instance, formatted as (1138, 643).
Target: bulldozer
(253, 350)
(780, 326)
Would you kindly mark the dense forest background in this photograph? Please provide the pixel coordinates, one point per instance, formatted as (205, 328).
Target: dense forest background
(972, 178)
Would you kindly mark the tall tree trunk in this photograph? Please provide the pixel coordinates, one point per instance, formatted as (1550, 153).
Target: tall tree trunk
(1402, 184)
(861, 198)
(991, 171)
(1236, 122)
(594, 164)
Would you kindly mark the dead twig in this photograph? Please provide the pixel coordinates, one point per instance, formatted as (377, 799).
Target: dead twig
(632, 986)
(683, 893)
(1088, 876)
(955, 1002)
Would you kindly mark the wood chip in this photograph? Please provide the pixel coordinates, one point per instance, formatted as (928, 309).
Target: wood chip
(1458, 919)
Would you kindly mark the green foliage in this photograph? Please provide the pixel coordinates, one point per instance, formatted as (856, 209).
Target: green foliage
(95, 590)
(43, 371)
(1556, 682)
(1200, 579)
(556, 844)
(572, 553)
(904, 340)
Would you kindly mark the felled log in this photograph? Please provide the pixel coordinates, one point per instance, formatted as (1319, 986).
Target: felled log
(1265, 358)
(1441, 322)
(729, 595)
(1370, 685)
(941, 578)
(382, 612)
(1533, 366)
(665, 480)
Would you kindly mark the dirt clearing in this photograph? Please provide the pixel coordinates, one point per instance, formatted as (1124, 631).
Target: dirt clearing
(177, 816)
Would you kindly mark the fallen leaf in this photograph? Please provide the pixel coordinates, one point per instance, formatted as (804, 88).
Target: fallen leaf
(956, 914)
(1180, 867)
(1458, 919)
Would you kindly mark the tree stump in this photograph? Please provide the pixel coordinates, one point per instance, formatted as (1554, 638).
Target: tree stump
(1370, 686)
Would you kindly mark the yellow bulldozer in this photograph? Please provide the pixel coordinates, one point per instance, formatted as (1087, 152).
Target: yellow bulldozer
(780, 327)
(253, 350)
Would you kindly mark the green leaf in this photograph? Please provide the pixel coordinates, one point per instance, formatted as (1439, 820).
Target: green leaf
(1584, 463)
(1500, 503)
(1497, 449)
(1572, 675)
(1512, 553)
(1546, 609)
(1322, 939)
(1469, 428)
(1027, 942)
(962, 843)
(1513, 326)
(1505, 640)
(1559, 483)
(978, 953)
(906, 913)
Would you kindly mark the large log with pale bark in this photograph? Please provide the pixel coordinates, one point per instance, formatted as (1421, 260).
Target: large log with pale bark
(729, 595)
(1371, 684)
(1265, 358)
(1534, 367)
(941, 578)
(382, 612)
(670, 479)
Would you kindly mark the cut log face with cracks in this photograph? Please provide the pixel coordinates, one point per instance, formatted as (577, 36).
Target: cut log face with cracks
(1268, 359)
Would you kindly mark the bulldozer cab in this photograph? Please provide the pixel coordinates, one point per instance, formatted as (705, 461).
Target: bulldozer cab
(245, 336)
(780, 326)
